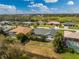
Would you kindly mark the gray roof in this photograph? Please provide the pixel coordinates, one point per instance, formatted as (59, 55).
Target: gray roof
(69, 24)
(43, 31)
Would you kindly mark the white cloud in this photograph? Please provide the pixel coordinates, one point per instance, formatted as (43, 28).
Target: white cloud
(34, 11)
(70, 3)
(54, 9)
(40, 6)
(32, 2)
(7, 7)
(51, 1)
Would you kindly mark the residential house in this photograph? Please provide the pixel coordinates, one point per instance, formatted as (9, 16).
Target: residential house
(68, 24)
(72, 40)
(48, 33)
(5, 22)
(55, 23)
(23, 30)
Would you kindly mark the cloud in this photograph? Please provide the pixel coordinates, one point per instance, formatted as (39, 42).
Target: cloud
(70, 3)
(32, 2)
(34, 11)
(7, 7)
(40, 6)
(51, 1)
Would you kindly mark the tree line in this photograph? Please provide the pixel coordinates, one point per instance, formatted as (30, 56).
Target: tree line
(56, 17)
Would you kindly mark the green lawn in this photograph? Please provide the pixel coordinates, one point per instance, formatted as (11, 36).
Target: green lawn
(46, 26)
(70, 56)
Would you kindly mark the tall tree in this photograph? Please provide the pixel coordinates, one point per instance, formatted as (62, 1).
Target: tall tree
(59, 43)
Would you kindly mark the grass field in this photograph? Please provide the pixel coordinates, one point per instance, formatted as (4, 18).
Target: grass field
(70, 56)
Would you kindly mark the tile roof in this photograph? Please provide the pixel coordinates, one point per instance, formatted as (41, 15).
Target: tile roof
(69, 34)
(54, 22)
(20, 29)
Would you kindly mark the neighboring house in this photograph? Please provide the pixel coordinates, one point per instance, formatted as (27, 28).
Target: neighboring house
(68, 24)
(72, 40)
(23, 30)
(4, 31)
(48, 33)
(54, 23)
(6, 27)
(5, 22)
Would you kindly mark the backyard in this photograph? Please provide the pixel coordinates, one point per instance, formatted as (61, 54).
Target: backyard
(42, 50)
(46, 49)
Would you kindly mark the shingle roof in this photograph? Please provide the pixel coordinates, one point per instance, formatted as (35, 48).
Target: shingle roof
(69, 24)
(43, 31)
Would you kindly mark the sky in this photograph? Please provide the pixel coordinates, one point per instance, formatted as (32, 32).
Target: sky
(39, 6)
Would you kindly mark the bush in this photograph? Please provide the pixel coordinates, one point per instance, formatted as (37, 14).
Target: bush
(38, 38)
(59, 43)
(10, 39)
(70, 50)
(22, 37)
(9, 52)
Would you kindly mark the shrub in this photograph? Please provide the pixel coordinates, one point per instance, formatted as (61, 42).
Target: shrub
(10, 39)
(9, 52)
(38, 38)
(70, 50)
(22, 37)
(59, 43)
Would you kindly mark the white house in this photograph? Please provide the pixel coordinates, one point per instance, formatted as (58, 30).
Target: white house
(72, 40)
